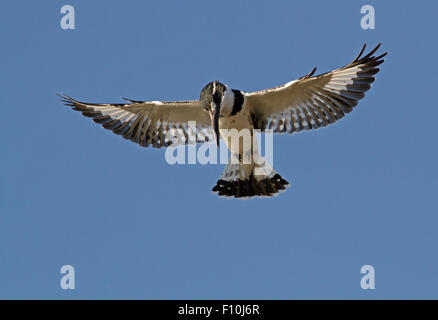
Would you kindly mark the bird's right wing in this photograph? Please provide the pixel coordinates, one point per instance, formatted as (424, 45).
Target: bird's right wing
(311, 102)
(150, 123)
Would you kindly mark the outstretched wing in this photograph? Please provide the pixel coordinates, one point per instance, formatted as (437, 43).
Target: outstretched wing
(311, 102)
(150, 123)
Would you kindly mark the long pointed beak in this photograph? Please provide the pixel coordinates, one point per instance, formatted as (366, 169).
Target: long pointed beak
(214, 115)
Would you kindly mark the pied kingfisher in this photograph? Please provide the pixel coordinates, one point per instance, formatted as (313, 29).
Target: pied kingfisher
(309, 102)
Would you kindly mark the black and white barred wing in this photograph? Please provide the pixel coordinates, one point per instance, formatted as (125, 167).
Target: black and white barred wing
(313, 102)
(155, 123)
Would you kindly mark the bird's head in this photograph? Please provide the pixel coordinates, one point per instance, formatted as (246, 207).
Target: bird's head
(212, 100)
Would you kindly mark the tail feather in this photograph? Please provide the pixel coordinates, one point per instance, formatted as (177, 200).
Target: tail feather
(240, 181)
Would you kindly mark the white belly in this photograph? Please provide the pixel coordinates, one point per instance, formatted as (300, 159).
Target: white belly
(237, 133)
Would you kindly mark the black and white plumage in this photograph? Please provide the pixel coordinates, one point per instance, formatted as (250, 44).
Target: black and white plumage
(145, 123)
(309, 102)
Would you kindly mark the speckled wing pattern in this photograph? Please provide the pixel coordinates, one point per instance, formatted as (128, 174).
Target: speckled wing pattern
(149, 123)
(311, 102)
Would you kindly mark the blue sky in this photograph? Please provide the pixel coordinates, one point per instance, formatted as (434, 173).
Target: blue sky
(363, 190)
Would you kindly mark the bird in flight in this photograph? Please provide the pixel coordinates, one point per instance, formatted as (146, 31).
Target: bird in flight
(309, 102)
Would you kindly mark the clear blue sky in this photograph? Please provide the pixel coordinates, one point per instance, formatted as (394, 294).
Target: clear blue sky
(364, 190)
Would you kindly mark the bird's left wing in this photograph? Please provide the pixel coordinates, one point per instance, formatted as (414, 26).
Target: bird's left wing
(311, 102)
(150, 123)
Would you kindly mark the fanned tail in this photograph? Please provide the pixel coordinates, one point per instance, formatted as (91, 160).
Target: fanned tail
(249, 180)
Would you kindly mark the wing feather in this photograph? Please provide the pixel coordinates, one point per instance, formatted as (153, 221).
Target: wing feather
(148, 123)
(311, 102)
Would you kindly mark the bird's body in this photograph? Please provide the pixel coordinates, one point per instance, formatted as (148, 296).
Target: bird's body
(241, 177)
(304, 104)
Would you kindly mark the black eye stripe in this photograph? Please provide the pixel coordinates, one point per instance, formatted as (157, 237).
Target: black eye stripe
(217, 98)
